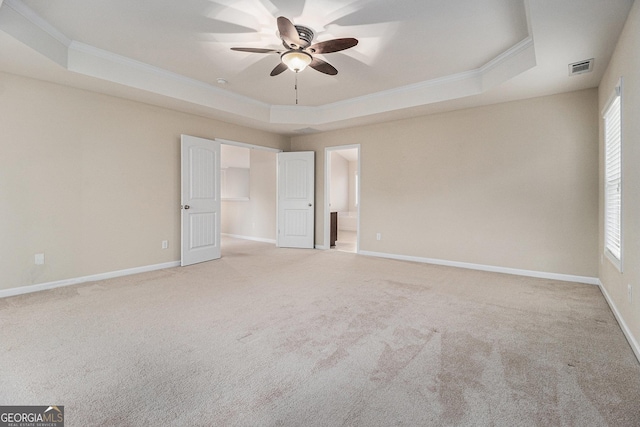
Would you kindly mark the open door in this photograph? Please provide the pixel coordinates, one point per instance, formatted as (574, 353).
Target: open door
(200, 199)
(296, 199)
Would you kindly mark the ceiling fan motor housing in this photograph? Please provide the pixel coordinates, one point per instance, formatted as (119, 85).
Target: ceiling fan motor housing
(306, 34)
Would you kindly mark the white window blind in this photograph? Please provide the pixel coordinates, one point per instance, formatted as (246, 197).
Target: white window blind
(613, 180)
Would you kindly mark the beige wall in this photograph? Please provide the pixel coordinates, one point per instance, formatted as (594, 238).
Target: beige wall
(511, 185)
(91, 180)
(625, 63)
(256, 217)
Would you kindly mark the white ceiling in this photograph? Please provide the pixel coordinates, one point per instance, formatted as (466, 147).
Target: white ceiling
(413, 57)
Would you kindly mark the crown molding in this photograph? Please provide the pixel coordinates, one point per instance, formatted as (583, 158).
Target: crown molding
(518, 59)
(505, 66)
(22, 23)
(105, 65)
(37, 20)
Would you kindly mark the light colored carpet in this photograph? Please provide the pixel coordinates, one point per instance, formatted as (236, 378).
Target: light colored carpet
(279, 337)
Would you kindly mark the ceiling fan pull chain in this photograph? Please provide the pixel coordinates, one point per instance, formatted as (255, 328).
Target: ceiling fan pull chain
(296, 88)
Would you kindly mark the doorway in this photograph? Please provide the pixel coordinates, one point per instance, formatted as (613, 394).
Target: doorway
(342, 198)
(248, 192)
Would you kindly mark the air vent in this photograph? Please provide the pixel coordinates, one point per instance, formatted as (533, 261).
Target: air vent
(581, 67)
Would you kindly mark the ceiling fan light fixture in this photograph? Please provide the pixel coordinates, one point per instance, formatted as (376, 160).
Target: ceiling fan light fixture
(296, 60)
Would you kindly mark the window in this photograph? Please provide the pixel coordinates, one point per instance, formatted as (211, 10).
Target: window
(613, 180)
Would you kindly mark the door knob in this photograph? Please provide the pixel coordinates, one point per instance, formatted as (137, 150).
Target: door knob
(187, 207)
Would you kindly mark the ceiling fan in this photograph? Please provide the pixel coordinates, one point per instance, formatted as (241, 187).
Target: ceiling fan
(299, 51)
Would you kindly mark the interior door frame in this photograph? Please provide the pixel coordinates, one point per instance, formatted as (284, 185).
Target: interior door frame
(247, 145)
(327, 193)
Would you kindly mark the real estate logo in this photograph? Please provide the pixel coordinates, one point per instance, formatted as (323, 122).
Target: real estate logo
(32, 416)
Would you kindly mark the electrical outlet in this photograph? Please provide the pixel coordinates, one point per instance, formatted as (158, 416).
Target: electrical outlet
(39, 259)
(378, 236)
(165, 244)
(630, 292)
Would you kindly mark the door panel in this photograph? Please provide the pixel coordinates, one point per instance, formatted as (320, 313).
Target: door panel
(200, 196)
(296, 199)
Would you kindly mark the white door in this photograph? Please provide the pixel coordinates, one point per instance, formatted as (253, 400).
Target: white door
(296, 199)
(200, 200)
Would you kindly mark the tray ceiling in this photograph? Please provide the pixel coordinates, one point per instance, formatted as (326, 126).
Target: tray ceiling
(412, 57)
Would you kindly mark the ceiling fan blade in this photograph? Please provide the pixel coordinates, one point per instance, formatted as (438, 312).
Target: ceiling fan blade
(279, 69)
(289, 33)
(335, 45)
(254, 50)
(322, 66)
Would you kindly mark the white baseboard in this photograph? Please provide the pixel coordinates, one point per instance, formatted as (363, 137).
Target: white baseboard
(323, 247)
(254, 239)
(491, 268)
(77, 280)
(625, 329)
